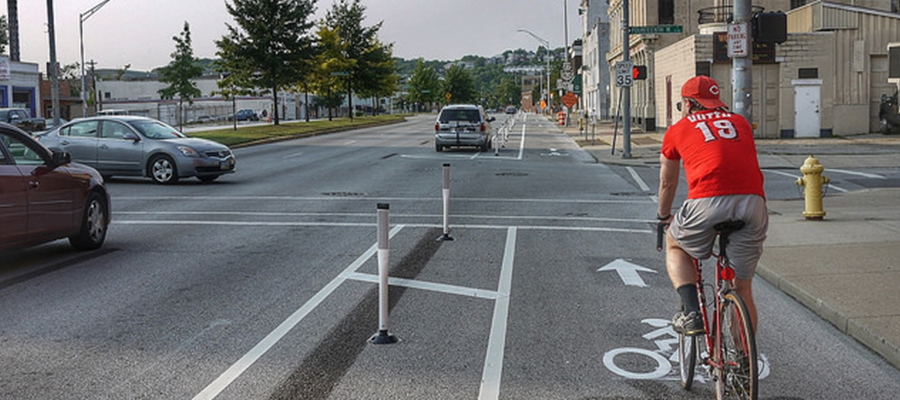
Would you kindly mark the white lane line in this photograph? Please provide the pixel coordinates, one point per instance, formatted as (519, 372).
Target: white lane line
(862, 174)
(522, 143)
(493, 360)
(444, 157)
(777, 172)
(326, 224)
(430, 286)
(292, 155)
(238, 368)
(637, 178)
(257, 199)
(369, 215)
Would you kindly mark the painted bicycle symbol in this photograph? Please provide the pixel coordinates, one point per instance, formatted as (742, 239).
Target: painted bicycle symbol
(656, 364)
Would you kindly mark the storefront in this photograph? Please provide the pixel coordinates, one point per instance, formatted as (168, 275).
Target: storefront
(19, 86)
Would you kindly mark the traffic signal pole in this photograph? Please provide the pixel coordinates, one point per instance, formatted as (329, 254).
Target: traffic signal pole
(626, 90)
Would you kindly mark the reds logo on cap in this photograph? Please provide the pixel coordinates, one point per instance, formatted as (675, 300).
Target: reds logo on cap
(703, 90)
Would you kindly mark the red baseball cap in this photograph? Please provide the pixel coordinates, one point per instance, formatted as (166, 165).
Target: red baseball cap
(704, 90)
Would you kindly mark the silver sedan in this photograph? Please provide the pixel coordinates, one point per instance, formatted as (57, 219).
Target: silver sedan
(127, 145)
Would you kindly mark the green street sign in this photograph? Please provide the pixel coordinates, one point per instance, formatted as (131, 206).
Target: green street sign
(638, 30)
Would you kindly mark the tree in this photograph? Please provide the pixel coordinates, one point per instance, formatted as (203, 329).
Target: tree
(231, 85)
(510, 92)
(424, 85)
(459, 85)
(270, 44)
(373, 71)
(331, 69)
(378, 78)
(180, 72)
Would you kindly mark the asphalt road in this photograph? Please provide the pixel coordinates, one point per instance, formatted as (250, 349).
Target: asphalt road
(261, 284)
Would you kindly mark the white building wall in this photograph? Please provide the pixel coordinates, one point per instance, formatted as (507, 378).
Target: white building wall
(20, 86)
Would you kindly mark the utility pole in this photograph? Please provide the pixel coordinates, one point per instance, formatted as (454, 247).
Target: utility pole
(626, 90)
(54, 68)
(13, 16)
(93, 87)
(743, 66)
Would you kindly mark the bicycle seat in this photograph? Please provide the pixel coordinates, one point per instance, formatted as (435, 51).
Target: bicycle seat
(724, 228)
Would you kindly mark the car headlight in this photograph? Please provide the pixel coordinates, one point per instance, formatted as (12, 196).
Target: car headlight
(188, 151)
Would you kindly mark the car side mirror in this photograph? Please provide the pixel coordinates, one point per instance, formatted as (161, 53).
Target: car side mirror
(61, 158)
(132, 137)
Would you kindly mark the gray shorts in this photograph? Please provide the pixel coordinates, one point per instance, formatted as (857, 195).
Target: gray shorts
(692, 229)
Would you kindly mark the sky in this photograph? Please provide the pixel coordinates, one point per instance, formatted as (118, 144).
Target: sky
(139, 32)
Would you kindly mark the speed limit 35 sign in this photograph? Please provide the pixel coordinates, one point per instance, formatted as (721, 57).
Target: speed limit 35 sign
(624, 74)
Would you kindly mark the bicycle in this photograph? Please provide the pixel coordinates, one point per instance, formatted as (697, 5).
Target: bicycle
(730, 355)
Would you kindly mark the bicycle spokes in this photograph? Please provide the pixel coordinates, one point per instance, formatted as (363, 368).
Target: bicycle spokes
(737, 375)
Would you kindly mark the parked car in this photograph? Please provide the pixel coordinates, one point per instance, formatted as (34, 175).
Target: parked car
(45, 197)
(128, 145)
(511, 110)
(245, 115)
(22, 119)
(462, 125)
(888, 115)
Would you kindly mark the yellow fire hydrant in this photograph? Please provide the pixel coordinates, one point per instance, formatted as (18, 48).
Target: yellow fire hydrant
(813, 181)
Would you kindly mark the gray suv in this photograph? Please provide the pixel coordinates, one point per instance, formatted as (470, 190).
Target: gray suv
(462, 125)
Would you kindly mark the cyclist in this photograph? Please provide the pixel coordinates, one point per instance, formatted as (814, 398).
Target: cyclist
(724, 183)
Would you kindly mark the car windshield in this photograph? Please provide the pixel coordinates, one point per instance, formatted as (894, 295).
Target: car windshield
(156, 130)
(460, 115)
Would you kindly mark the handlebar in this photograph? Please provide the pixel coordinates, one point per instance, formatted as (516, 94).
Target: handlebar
(660, 232)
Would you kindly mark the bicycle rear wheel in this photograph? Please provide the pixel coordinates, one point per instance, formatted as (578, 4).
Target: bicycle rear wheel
(687, 359)
(736, 351)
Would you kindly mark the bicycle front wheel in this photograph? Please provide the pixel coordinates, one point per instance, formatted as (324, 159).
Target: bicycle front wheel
(687, 359)
(737, 378)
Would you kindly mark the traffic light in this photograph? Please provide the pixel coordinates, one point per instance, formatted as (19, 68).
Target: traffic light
(639, 72)
(770, 27)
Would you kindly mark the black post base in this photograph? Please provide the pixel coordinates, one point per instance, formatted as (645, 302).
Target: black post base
(383, 337)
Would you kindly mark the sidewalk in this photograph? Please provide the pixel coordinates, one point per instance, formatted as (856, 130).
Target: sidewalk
(844, 268)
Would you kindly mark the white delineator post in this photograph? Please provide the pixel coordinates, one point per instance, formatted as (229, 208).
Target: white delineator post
(384, 250)
(446, 191)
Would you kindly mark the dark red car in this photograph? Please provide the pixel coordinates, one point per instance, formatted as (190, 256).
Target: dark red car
(45, 197)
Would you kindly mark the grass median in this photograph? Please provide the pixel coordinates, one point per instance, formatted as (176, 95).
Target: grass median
(246, 135)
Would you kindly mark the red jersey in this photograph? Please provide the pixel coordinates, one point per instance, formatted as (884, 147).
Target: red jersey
(718, 152)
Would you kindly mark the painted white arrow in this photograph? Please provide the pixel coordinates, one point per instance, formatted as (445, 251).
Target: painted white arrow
(627, 271)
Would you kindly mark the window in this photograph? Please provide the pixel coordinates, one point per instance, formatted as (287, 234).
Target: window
(113, 130)
(808, 73)
(87, 129)
(460, 115)
(666, 12)
(703, 68)
(20, 152)
(156, 130)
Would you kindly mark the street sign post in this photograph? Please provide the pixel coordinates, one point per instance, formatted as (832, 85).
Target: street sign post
(643, 30)
(624, 74)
